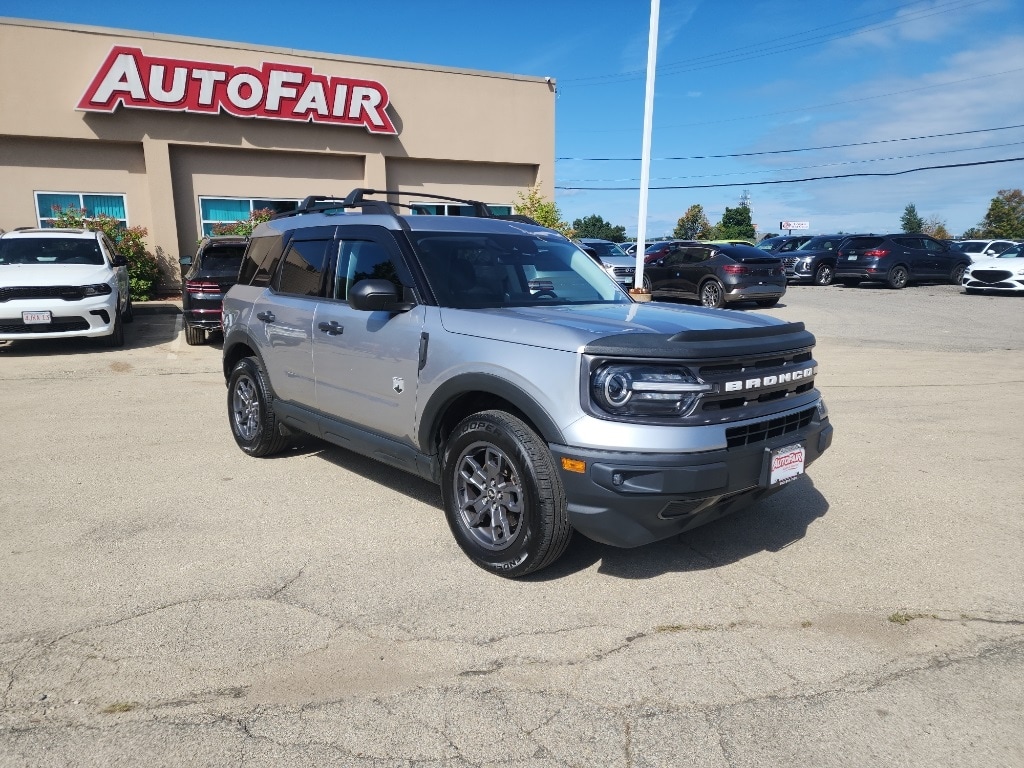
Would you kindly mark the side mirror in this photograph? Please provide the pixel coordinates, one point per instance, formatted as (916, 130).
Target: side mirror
(119, 260)
(377, 296)
(185, 261)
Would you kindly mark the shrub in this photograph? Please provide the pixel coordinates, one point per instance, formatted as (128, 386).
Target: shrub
(143, 268)
(245, 227)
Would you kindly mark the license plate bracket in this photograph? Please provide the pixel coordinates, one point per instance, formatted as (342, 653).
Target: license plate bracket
(784, 465)
(36, 318)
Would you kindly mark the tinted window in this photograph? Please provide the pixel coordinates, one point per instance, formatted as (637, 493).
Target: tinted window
(1012, 253)
(303, 269)
(909, 242)
(261, 260)
(857, 243)
(223, 258)
(362, 260)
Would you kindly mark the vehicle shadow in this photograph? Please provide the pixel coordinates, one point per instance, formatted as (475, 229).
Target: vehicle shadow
(731, 305)
(767, 526)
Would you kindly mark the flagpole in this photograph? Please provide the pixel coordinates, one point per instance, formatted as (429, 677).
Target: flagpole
(645, 161)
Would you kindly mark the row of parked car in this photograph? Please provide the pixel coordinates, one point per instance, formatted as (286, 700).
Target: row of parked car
(716, 273)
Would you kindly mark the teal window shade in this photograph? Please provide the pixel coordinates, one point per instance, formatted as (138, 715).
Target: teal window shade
(228, 210)
(93, 204)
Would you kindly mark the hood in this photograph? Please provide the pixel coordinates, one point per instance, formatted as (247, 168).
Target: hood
(571, 328)
(27, 275)
(1012, 263)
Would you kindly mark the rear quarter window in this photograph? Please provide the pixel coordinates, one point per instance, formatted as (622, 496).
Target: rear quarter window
(261, 260)
(862, 242)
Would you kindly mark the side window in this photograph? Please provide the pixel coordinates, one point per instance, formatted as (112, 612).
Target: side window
(362, 260)
(675, 257)
(303, 269)
(261, 260)
(933, 245)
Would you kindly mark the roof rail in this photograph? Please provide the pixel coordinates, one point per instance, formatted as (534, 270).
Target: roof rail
(357, 199)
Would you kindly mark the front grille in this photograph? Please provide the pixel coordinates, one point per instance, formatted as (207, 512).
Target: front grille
(59, 325)
(760, 431)
(624, 271)
(789, 262)
(777, 370)
(65, 292)
(991, 275)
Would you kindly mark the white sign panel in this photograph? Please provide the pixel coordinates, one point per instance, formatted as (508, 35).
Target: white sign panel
(794, 225)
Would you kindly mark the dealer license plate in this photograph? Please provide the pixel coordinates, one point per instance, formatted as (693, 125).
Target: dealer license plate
(787, 464)
(35, 318)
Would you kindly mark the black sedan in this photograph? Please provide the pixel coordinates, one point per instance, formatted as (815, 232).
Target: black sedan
(716, 275)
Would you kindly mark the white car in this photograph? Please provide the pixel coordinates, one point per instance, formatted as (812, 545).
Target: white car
(56, 283)
(983, 249)
(1002, 274)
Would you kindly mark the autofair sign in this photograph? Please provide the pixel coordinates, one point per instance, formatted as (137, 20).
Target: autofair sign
(794, 225)
(134, 80)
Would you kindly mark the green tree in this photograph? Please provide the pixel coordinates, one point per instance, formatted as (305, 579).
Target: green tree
(693, 225)
(735, 225)
(533, 204)
(973, 233)
(596, 227)
(143, 268)
(912, 222)
(936, 227)
(1005, 217)
(243, 227)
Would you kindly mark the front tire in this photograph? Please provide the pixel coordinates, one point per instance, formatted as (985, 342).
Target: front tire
(712, 294)
(898, 278)
(823, 274)
(116, 337)
(503, 497)
(128, 315)
(251, 410)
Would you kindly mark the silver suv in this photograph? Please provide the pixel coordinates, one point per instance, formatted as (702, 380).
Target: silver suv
(498, 359)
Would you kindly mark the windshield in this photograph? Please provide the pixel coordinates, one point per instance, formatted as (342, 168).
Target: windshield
(605, 249)
(472, 270)
(820, 243)
(50, 250)
(1013, 252)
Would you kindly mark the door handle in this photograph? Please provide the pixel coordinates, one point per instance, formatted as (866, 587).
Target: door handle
(266, 317)
(332, 328)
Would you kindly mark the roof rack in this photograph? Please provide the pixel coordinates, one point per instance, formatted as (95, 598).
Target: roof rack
(357, 199)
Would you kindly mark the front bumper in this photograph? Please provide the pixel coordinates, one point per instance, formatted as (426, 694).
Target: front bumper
(92, 316)
(628, 499)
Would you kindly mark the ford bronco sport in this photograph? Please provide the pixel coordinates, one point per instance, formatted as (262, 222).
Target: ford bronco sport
(496, 358)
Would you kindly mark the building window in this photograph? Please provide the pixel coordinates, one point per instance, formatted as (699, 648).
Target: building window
(228, 210)
(454, 209)
(48, 203)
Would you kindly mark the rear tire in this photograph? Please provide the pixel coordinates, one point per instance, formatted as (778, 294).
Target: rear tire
(254, 424)
(897, 278)
(503, 497)
(712, 294)
(194, 336)
(958, 274)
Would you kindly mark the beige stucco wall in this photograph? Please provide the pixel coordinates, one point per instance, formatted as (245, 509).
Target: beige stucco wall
(461, 133)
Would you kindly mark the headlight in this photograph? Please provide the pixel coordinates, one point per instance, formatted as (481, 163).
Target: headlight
(100, 289)
(631, 389)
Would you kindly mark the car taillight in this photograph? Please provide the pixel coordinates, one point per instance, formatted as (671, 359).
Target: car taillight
(876, 253)
(201, 286)
(735, 269)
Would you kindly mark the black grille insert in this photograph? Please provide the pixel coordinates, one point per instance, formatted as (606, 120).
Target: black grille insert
(760, 431)
(66, 292)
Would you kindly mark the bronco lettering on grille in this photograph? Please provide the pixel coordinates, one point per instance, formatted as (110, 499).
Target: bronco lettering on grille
(761, 382)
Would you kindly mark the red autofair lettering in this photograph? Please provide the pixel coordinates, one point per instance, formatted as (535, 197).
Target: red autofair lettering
(130, 79)
(787, 460)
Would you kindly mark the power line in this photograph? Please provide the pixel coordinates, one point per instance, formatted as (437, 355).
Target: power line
(718, 59)
(789, 151)
(798, 181)
(822, 165)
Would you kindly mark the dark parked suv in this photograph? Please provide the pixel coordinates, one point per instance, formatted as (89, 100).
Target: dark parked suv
(205, 278)
(814, 261)
(717, 274)
(897, 260)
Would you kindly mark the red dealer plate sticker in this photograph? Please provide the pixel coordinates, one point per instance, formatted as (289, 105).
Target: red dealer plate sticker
(35, 318)
(787, 464)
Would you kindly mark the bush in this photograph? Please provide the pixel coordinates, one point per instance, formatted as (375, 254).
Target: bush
(245, 227)
(143, 268)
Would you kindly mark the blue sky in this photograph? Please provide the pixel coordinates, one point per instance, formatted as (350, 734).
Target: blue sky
(734, 77)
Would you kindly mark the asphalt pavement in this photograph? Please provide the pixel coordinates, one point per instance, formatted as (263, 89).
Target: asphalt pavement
(169, 601)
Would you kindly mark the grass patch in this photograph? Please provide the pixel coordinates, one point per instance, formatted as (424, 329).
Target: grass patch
(119, 706)
(805, 623)
(903, 618)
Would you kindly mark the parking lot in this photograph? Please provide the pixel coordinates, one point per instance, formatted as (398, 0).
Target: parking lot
(169, 601)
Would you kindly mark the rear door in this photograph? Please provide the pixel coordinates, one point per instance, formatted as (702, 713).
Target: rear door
(913, 252)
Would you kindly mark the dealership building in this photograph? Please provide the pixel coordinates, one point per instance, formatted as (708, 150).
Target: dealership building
(177, 134)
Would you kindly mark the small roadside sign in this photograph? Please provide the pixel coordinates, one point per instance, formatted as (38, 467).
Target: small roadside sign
(794, 225)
